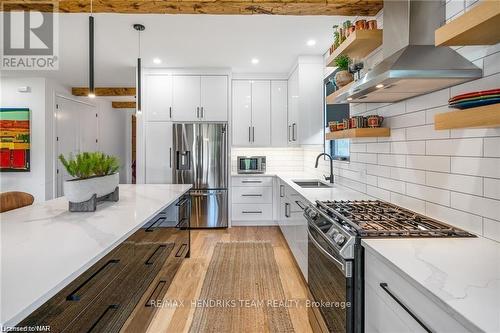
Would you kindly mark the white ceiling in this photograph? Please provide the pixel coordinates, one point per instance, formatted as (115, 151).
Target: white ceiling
(186, 41)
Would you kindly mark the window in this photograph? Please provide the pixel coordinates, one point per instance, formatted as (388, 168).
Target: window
(338, 149)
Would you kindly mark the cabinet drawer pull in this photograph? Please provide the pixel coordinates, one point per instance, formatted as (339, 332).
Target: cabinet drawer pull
(106, 313)
(182, 202)
(251, 195)
(73, 296)
(282, 191)
(300, 204)
(153, 225)
(251, 181)
(251, 212)
(385, 287)
(155, 293)
(180, 251)
(287, 209)
(150, 260)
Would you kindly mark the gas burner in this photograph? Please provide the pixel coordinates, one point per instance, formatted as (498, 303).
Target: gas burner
(375, 218)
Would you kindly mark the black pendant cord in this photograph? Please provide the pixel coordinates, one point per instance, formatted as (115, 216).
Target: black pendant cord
(91, 57)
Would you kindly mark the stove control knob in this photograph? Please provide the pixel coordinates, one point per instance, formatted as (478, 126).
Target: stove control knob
(339, 239)
(312, 214)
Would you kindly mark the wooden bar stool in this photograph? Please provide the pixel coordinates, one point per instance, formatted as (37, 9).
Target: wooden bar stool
(13, 200)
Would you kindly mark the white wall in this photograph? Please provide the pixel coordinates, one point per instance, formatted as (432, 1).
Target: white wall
(452, 175)
(33, 182)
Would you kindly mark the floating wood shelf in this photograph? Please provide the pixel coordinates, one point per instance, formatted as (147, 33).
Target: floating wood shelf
(358, 45)
(123, 105)
(482, 116)
(359, 133)
(104, 91)
(330, 99)
(475, 27)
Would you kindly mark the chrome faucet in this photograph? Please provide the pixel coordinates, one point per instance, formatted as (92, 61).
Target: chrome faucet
(331, 166)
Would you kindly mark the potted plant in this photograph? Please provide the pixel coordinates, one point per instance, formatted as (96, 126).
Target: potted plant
(336, 36)
(95, 174)
(343, 76)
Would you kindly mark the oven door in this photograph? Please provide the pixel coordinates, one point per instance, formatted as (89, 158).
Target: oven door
(330, 283)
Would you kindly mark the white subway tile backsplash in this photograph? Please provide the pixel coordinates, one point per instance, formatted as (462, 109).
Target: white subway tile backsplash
(358, 147)
(392, 109)
(378, 170)
(392, 160)
(474, 132)
(371, 180)
(485, 83)
(380, 147)
(459, 183)
(455, 147)
(454, 7)
(408, 175)
(396, 135)
(431, 163)
(428, 101)
(491, 64)
(391, 185)
(492, 188)
(408, 147)
(377, 192)
(470, 222)
(491, 229)
(487, 167)
(485, 207)
(410, 203)
(427, 193)
(429, 114)
(367, 158)
(426, 132)
(406, 120)
(492, 147)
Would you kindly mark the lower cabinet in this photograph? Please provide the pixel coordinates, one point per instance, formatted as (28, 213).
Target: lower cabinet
(293, 224)
(252, 200)
(118, 292)
(392, 304)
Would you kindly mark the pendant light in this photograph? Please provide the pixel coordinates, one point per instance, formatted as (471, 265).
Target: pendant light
(139, 28)
(91, 54)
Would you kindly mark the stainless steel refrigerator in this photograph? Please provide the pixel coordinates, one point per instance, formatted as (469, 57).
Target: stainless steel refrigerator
(200, 158)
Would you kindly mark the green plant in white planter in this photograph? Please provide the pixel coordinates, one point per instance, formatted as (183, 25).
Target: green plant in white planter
(96, 175)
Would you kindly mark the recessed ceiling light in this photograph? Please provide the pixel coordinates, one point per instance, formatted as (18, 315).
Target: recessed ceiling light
(380, 85)
(349, 98)
(255, 61)
(311, 42)
(157, 60)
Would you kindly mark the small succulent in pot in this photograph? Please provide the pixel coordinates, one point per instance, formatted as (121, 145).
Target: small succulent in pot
(95, 174)
(336, 36)
(343, 76)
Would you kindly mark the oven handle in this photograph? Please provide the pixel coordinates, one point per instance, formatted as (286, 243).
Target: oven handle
(328, 255)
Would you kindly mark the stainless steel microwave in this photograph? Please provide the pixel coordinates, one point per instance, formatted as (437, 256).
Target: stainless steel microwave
(251, 164)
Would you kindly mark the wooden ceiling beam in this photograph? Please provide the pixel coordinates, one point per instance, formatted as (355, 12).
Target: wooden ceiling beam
(123, 105)
(223, 7)
(104, 91)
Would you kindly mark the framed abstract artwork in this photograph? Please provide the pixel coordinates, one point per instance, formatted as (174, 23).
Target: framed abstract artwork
(14, 140)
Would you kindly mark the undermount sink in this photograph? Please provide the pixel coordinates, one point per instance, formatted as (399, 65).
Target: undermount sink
(313, 183)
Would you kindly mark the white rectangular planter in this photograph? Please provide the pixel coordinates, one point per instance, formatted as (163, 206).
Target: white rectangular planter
(82, 190)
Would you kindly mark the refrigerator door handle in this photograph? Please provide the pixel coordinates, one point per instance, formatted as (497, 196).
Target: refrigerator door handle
(202, 112)
(249, 134)
(197, 112)
(253, 134)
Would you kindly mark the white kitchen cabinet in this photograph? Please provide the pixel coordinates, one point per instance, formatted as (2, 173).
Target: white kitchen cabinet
(213, 100)
(251, 113)
(261, 113)
(279, 117)
(186, 98)
(158, 159)
(242, 114)
(390, 316)
(199, 98)
(158, 97)
(252, 200)
(305, 102)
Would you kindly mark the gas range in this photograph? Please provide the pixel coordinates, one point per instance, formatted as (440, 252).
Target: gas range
(343, 221)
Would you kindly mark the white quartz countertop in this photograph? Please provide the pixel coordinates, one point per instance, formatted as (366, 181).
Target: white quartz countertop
(463, 275)
(44, 246)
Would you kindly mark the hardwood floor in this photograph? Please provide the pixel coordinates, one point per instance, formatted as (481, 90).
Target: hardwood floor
(188, 281)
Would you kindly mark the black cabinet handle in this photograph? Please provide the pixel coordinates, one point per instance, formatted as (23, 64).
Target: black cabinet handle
(73, 296)
(182, 202)
(251, 212)
(300, 204)
(385, 287)
(155, 293)
(251, 195)
(150, 260)
(251, 181)
(152, 227)
(106, 313)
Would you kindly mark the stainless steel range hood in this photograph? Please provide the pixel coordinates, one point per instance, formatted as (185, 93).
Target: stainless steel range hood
(412, 65)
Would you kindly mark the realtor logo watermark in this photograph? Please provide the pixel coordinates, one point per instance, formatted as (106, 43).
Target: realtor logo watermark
(30, 35)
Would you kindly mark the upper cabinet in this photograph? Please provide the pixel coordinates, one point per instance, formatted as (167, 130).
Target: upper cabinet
(185, 97)
(251, 112)
(279, 107)
(158, 97)
(305, 102)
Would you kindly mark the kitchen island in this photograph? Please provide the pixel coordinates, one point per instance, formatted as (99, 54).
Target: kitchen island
(44, 246)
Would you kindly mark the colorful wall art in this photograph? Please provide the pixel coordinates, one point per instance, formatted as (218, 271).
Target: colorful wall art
(14, 139)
